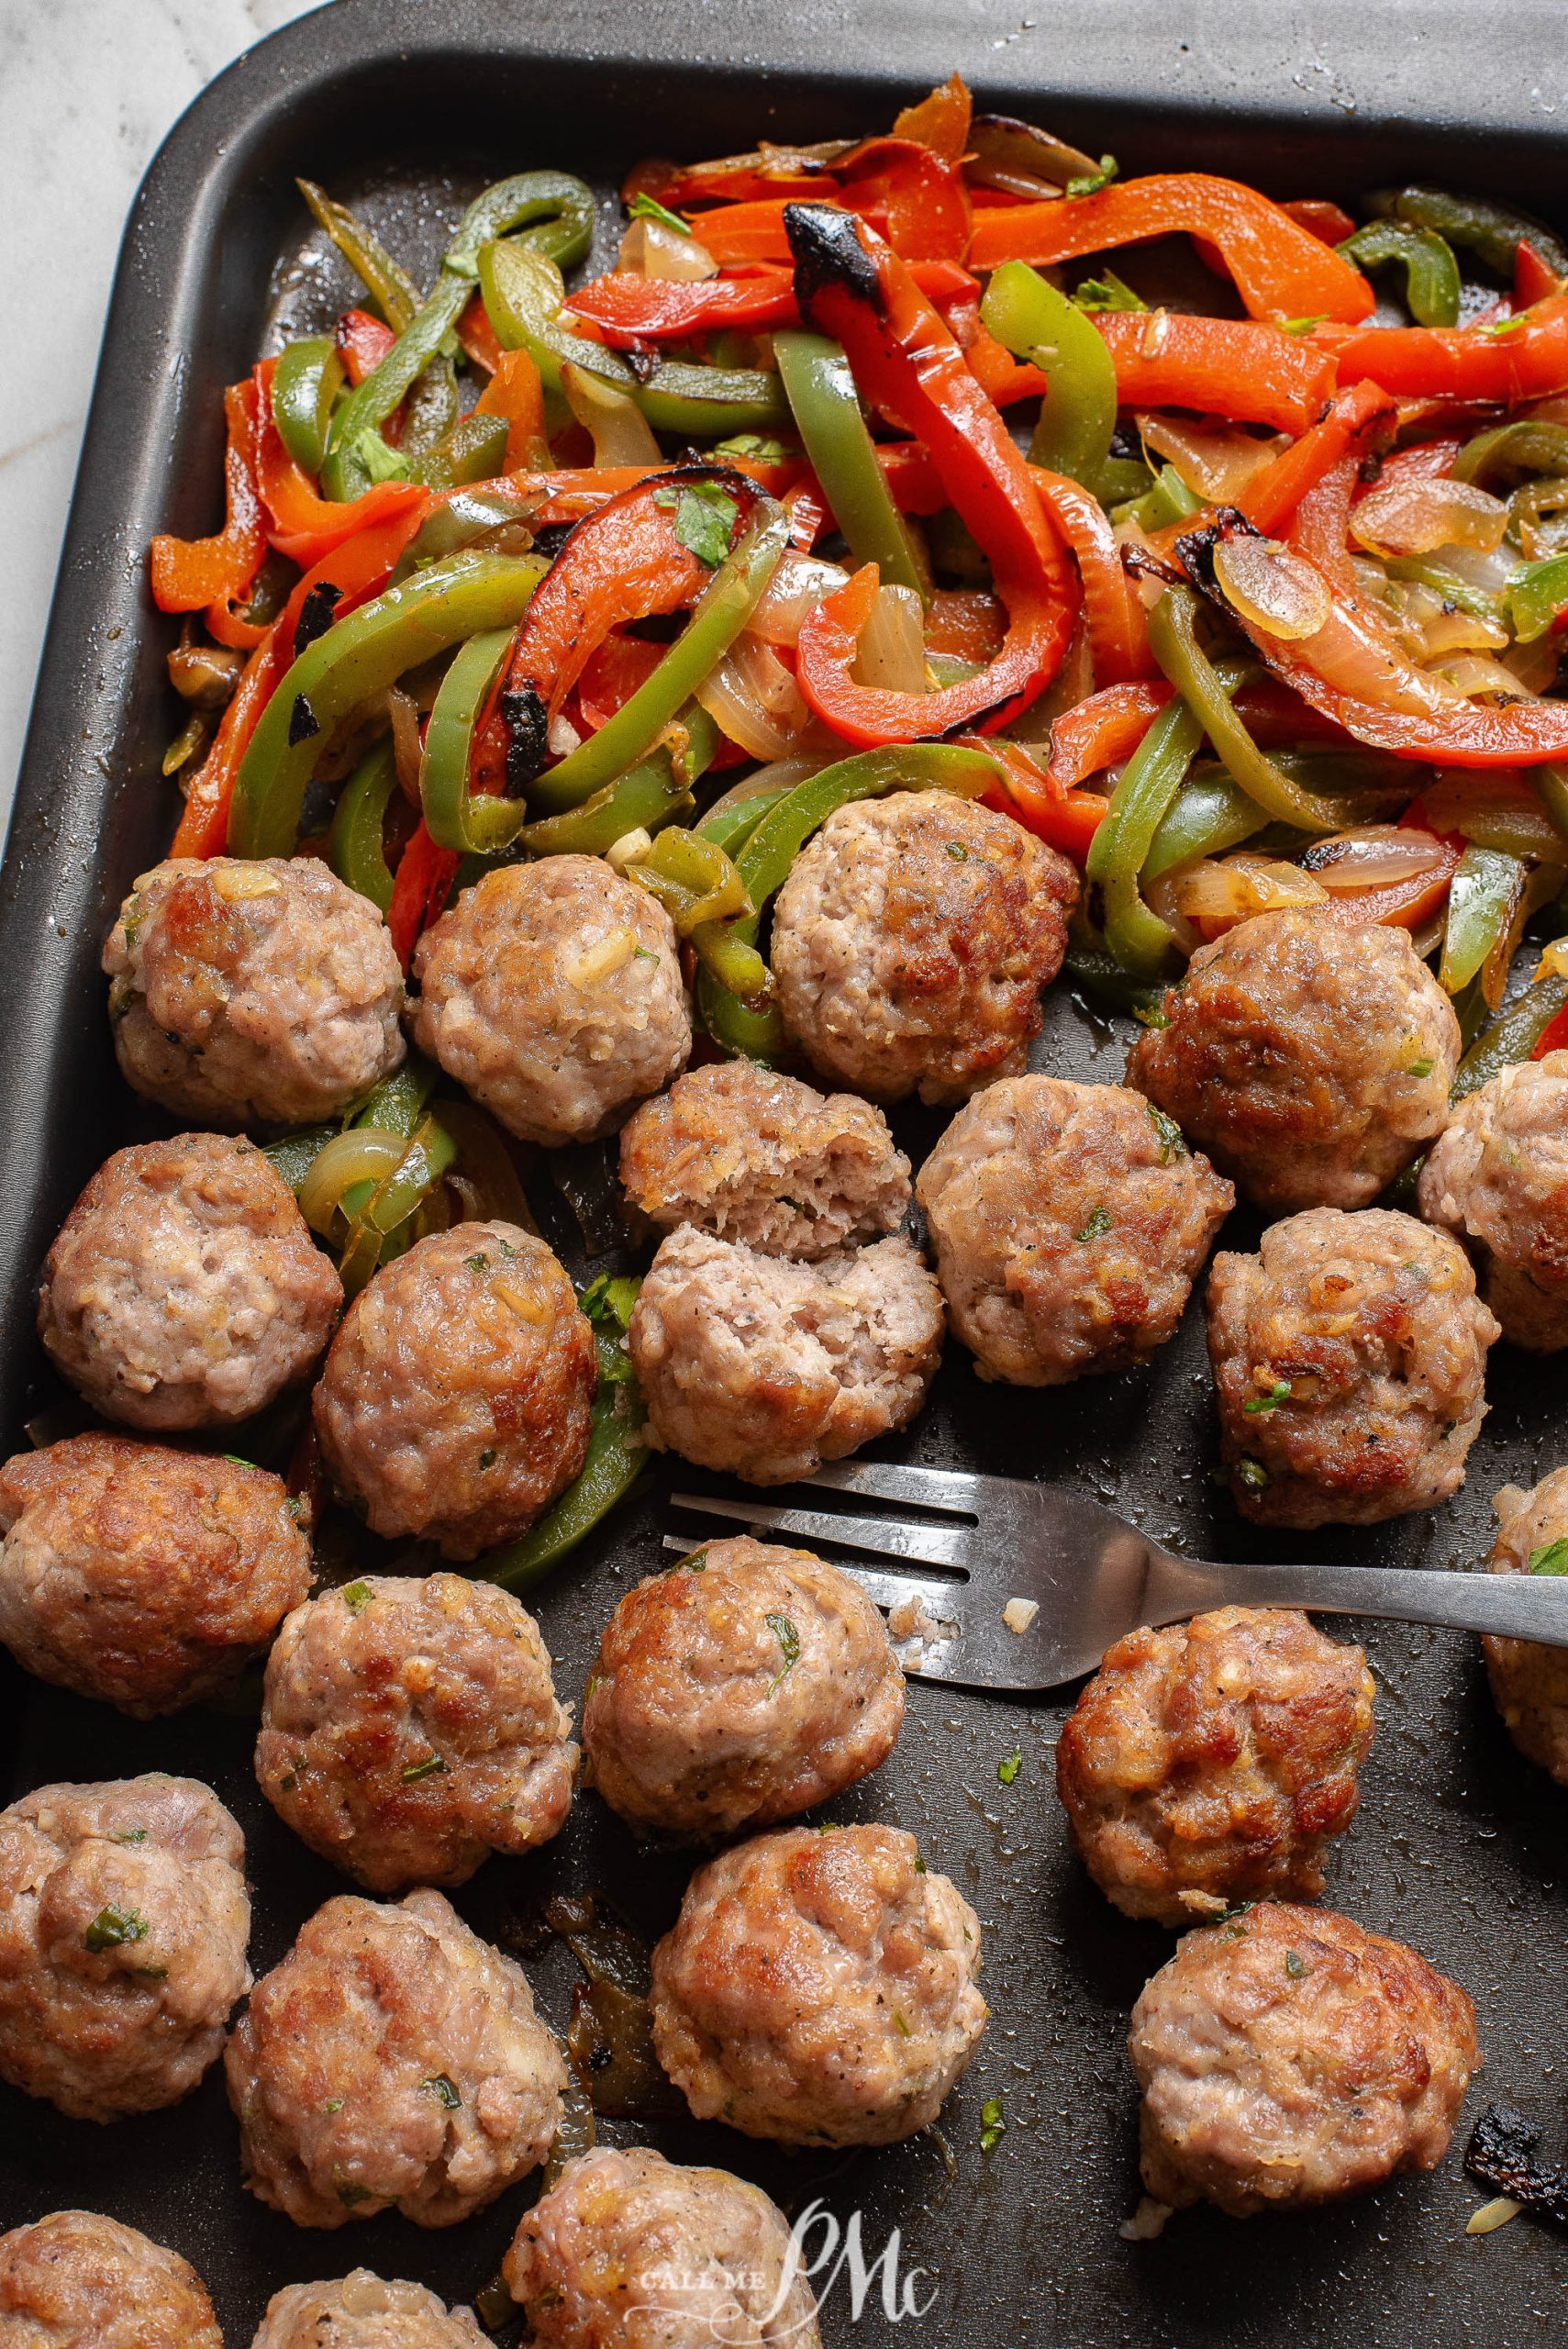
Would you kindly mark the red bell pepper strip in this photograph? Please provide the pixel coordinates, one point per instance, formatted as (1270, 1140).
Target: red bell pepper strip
(364, 342)
(477, 336)
(189, 574)
(1068, 820)
(1103, 731)
(515, 392)
(302, 524)
(1000, 376)
(1533, 280)
(1354, 420)
(1231, 367)
(967, 623)
(420, 888)
(628, 309)
(1119, 634)
(1280, 269)
(619, 666)
(1526, 360)
(914, 482)
(1553, 1037)
(1319, 219)
(940, 121)
(918, 202)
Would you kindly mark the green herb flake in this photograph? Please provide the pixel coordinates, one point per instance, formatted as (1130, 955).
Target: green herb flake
(1007, 1769)
(1420, 1068)
(345, 2189)
(696, 1564)
(919, 1865)
(1253, 1475)
(608, 1302)
(479, 1263)
(487, 1457)
(1108, 293)
(705, 518)
(1295, 1965)
(494, 2306)
(428, 1768)
(129, 1835)
(1550, 1560)
(1278, 1393)
(293, 1504)
(958, 852)
(150, 1973)
(357, 1597)
(993, 2127)
(1151, 1015)
(1099, 1223)
(237, 1460)
(1173, 1141)
(443, 2089)
(380, 463)
(645, 954)
(644, 207)
(112, 1928)
(1090, 183)
(1303, 325)
(901, 2024)
(333, 2104)
(788, 1638)
(756, 448)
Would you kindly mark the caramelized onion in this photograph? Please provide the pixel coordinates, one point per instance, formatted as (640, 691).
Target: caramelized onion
(1215, 463)
(891, 656)
(621, 433)
(1419, 514)
(649, 249)
(1272, 586)
(1370, 856)
(755, 699)
(798, 585)
(1232, 888)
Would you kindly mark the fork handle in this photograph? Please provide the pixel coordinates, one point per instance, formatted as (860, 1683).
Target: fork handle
(1517, 1606)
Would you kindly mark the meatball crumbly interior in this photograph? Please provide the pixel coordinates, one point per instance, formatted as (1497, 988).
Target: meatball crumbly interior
(1530, 1680)
(1349, 1360)
(77, 2281)
(1211, 1761)
(1497, 1178)
(364, 2312)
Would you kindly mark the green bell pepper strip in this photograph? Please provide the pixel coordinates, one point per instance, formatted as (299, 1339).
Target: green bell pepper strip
(719, 614)
(1535, 595)
(700, 889)
(1077, 418)
(473, 450)
(393, 1203)
(1431, 273)
(1531, 446)
(454, 817)
(1135, 935)
(732, 826)
(1169, 500)
(356, 658)
(646, 797)
(1550, 784)
(1210, 814)
(306, 381)
(387, 281)
(1089, 967)
(1448, 585)
(396, 1103)
(827, 410)
(294, 1156)
(1490, 230)
(1512, 1036)
(1481, 901)
(523, 294)
(356, 847)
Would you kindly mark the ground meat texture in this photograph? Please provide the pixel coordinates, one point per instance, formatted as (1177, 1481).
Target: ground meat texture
(245, 993)
(455, 1400)
(141, 1576)
(409, 1729)
(1211, 1762)
(1310, 1061)
(183, 1289)
(1289, 2057)
(750, 1155)
(1530, 1680)
(1497, 1179)
(122, 1925)
(77, 2280)
(766, 1368)
(746, 1685)
(553, 992)
(393, 2060)
(1349, 1359)
(911, 941)
(364, 2312)
(629, 2251)
(819, 1988)
(1069, 1221)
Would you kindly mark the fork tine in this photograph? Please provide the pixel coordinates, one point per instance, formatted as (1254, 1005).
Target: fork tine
(884, 1590)
(934, 1488)
(936, 1546)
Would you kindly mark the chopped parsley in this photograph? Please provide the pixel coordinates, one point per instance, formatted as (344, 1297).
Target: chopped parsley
(428, 1768)
(357, 1597)
(705, 518)
(1173, 1141)
(756, 448)
(333, 2104)
(112, 1928)
(380, 463)
(1253, 1475)
(237, 1460)
(901, 2024)
(992, 2128)
(1108, 293)
(958, 852)
(1550, 1560)
(129, 1835)
(487, 1457)
(347, 2193)
(1151, 1015)
(1420, 1068)
(695, 1563)
(1278, 1393)
(1009, 1767)
(608, 1302)
(1296, 1966)
(443, 2089)
(644, 207)
(919, 1865)
(1090, 183)
(1099, 1223)
(788, 1638)
(479, 1263)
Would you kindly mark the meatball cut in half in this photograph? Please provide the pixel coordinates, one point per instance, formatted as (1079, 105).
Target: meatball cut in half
(409, 1729)
(1289, 2057)
(750, 1155)
(122, 1925)
(819, 1988)
(75, 2280)
(629, 2251)
(1530, 1680)
(911, 941)
(742, 1687)
(455, 1400)
(183, 1289)
(1349, 1358)
(552, 991)
(364, 2312)
(248, 992)
(141, 1576)
(1309, 1060)
(1069, 1221)
(1212, 1762)
(392, 2061)
(767, 1368)
(1497, 1178)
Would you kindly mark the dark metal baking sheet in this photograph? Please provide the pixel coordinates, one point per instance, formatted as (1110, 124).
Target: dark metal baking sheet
(1458, 1846)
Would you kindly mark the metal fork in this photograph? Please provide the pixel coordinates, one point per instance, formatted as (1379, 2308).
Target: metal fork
(1092, 1576)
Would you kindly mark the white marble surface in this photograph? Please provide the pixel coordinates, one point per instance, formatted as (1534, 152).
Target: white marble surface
(88, 90)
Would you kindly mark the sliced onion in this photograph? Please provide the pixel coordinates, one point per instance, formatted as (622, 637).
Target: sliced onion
(1533, 666)
(365, 1153)
(1496, 810)
(891, 656)
(1232, 888)
(780, 775)
(1420, 513)
(621, 433)
(753, 697)
(798, 585)
(1371, 856)
(1272, 586)
(649, 249)
(1476, 673)
(409, 749)
(1359, 653)
(1215, 463)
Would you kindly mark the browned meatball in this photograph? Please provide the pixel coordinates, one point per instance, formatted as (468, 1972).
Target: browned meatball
(1069, 1221)
(1497, 1178)
(1212, 1762)
(77, 2280)
(122, 1925)
(1349, 1360)
(455, 1400)
(750, 1155)
(627, 2250)
(392, 2060)
(1310, 1061)
(767, 1368)
(747, 1684)
(247, 992)
(409, 1729)
(183, 1289)
(142, 1576)
(819, 1988)
(1289, 2057)
(553, 992)
(364, 2312)
(911, 941)
(1530, 1680)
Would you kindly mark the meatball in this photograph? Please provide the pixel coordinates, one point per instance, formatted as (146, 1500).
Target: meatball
(1530, 1680)
(1349, 1357)
(455, 1400)
(629, 2251)
(183, 1289)
(122, 1925)
(746, 1685)
(911, 941)
(1068, 1221)
(819, 1988)
(409, 1729)
(77, 2280)
(553, 992)
(1289, 2057)
(753, 1156)
(1309, 1060)
(767, 1368)
(1497, 1179)
(141, 1576)
(252, 993)
(392, 2060)
(364, 2312)
(1212, 1762)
